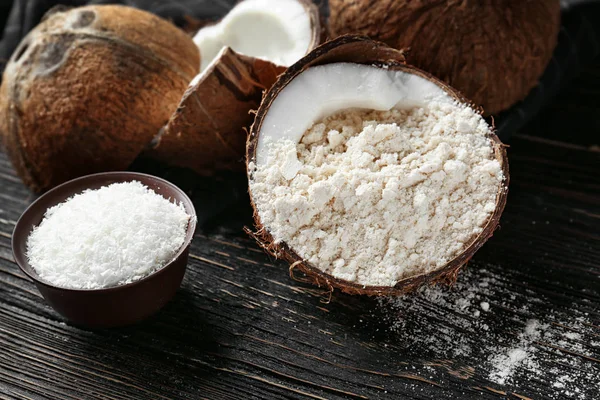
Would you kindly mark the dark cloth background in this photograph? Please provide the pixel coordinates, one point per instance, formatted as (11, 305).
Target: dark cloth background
(578, 45)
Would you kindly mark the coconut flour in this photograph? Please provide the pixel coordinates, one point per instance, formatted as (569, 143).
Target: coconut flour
(556, 351)
(376, 196)
(107, 237)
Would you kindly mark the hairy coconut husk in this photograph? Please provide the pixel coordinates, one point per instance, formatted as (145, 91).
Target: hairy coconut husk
(493, 52)
(88, 88)
(362, 50)
(208, 131)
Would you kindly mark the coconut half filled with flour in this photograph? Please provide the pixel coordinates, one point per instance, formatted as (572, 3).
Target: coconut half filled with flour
(240, 57)
(369, 175)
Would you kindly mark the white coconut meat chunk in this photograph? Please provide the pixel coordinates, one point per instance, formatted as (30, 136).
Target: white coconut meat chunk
(324, 90)
(279, 31)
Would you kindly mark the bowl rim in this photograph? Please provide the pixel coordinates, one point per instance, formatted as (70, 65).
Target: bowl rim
(20, 257)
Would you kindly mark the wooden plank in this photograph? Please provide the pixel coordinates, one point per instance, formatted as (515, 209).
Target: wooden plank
(241, 328)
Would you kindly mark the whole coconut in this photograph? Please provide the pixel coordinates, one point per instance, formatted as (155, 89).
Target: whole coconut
(493, 52)
(88, 89)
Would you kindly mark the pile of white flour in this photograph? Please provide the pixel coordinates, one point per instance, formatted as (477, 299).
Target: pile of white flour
(376, 196)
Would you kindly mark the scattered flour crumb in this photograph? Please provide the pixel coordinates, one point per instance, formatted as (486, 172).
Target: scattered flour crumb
(373, 197)
(458, 330)
(505, 364)
(572, 335)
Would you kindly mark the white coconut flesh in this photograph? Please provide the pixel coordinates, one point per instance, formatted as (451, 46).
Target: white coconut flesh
(279, 31)
(279, 177)
(324, 90)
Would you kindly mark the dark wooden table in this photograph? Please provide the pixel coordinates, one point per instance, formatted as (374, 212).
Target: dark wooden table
(240, 328)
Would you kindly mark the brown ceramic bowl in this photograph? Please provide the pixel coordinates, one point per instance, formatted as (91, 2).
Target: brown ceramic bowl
(114, 306)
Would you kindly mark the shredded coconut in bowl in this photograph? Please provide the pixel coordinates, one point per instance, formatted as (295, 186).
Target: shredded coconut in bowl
(373, 197)
(107, 237)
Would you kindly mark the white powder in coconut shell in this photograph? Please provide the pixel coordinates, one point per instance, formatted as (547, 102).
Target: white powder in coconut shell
(107, 237)
(373, 197)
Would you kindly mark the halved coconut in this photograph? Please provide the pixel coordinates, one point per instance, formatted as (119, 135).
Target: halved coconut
(241, 56)
(352, 73)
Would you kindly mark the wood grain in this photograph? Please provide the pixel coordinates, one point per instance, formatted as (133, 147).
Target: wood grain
(241, 328)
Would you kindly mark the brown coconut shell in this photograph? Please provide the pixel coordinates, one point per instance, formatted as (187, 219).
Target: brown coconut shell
(208, 131)
(493, 52)
(362, 50)
(88, 89)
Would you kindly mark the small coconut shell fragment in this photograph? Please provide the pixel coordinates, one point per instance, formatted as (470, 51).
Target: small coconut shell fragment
(88, 89)
(208, 131)
(362, 50)
(492, 51)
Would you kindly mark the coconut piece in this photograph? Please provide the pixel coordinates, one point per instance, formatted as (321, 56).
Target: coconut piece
(241, 56)
(346, 65)
(280, 31)
(88, 89)
(493, 52)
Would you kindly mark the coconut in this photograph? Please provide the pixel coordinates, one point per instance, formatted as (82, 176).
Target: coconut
(493, 52)
(241, 57)
(358, 73)
(88, 89)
